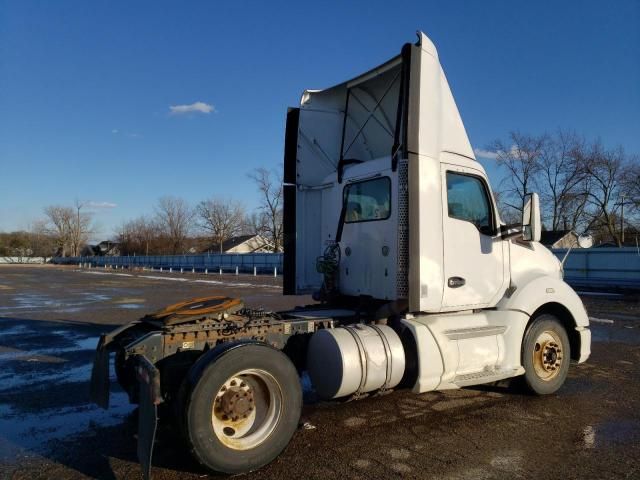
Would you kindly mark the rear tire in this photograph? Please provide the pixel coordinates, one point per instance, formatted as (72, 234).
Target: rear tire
(244, 409)
(546, 355)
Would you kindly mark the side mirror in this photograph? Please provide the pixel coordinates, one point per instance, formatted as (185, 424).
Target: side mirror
(531, 223)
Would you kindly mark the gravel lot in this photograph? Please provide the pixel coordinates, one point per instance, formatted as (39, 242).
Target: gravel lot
(50, 319)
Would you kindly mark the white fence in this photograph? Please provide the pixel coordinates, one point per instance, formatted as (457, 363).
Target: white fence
(602, 267)
(23, 260)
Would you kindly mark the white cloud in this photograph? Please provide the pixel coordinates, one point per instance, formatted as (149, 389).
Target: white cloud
(196, 107)
(116, 131)
(485, 153)
(93, 204)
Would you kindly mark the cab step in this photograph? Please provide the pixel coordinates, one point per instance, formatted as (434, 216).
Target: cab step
(486, 376)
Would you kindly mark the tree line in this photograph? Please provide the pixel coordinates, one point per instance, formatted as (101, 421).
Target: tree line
(583, 185)
(173, 227)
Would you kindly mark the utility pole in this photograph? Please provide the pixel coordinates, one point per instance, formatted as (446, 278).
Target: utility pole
(622, 203)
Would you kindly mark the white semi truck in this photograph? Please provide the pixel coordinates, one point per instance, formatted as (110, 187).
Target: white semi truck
(391, 224)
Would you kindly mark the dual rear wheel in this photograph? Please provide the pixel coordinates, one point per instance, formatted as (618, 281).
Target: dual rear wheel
(243, 409)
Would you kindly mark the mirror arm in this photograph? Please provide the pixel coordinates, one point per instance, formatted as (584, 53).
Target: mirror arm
(509, 231)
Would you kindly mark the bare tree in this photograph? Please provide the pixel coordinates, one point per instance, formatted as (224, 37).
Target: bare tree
(59, 220)
(520, 156)
(631, 192)
(561, 180)
(42, 243)
(174, 217)
(254, 224)
(139, 236)
(604, 169)
(269, 185)
(69, 226)
(222, 219)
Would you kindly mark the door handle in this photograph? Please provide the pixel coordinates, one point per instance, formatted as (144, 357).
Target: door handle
(455, 282)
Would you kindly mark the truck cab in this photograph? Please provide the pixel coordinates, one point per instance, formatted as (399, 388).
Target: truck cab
(381, 183)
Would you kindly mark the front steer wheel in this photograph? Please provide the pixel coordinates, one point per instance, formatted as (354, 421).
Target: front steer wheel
(545, 355)
(244, 409)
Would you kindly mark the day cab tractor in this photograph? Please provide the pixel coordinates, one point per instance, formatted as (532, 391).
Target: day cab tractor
(390, 222)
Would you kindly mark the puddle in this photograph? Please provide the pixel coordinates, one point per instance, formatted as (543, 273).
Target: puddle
(44, 385)
(20, 432)
(10, 381)
(75, 302)
(615, 334)
(56, 357)
(95, 297)
(15, 330)
(611, 434)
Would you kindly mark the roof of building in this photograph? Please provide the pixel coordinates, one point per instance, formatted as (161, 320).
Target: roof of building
(549, 237)
(235, 241)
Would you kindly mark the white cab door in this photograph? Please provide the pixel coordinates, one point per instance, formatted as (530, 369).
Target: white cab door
(369, 239)
(473, 254)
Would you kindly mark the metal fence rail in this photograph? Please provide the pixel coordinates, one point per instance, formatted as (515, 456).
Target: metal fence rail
(592, 267)
(602, 267)
(226, 262)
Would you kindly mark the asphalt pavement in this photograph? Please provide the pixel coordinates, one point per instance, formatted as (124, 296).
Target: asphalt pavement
(51, 317)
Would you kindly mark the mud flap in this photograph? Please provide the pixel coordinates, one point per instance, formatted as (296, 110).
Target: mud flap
(150, 398)
(100, 383)
(99, 390)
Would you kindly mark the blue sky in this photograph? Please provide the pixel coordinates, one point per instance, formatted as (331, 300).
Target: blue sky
(86, 87)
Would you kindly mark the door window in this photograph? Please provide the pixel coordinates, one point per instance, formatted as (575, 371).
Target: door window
(368, 200)
(468, 200)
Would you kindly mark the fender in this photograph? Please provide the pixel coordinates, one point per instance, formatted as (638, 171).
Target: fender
(544, 290)
(530, 297)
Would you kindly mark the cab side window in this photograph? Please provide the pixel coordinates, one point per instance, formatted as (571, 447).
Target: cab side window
(368, 200)
(468, 200)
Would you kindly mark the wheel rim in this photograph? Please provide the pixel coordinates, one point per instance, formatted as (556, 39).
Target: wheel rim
(548, 353)
(246, 409)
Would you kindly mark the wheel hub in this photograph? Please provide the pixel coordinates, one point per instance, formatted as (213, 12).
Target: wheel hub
(246, 409)
(236, 403)
(547, 355)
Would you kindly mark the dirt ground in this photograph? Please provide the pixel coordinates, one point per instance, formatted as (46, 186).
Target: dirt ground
(51, 317)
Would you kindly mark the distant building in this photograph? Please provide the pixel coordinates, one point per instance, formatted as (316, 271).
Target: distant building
(242, 244)
(103, 249)
(559, 239)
